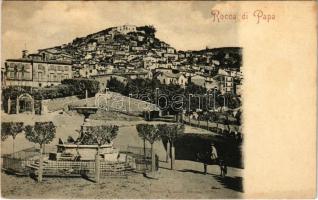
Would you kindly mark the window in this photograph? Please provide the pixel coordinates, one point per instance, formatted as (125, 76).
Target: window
(11, 74)
(40, 76)
(53, 67)
(41, 67)
(59, 77)
(51, 77)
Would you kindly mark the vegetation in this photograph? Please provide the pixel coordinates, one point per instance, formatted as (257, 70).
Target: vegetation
(11, 129)
(69, 87)
(145, 89)
(41, 133)
(171, 132)
(189, 145)
(149, 30)
(101, 135)
(151, 134)
(83, 84)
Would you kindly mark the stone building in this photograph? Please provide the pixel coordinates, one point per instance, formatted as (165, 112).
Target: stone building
(28, 71)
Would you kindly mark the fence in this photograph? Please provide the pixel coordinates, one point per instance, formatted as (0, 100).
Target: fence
(15, 165)
(80, 168)
(141, 156)
(213, 127)
(27, 161)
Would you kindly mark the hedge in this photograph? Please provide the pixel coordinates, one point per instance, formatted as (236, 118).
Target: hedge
(69, 87)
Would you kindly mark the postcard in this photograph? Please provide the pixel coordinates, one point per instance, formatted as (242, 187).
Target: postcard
(158, 99)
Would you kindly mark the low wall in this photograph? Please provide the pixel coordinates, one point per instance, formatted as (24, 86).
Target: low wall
(52, 105)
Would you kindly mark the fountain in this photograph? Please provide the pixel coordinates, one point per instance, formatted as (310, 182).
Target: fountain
(78, 150)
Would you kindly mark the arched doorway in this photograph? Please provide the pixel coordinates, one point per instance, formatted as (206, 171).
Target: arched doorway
(25, 104)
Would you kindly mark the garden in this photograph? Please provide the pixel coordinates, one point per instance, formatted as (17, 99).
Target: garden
(69, 87)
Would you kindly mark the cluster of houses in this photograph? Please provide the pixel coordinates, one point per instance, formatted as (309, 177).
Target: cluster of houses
(123, 52)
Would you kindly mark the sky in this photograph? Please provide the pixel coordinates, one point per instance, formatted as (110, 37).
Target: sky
(36, 25)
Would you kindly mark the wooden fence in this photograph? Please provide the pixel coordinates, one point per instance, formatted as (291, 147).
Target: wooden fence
(26, 162)
(80, 168)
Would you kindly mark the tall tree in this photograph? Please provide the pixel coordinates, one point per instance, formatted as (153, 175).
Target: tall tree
(102, 135)
(41, 133)
(11, 129)
(141, 129)
(164, 133)
(171, 132)
(151, 134)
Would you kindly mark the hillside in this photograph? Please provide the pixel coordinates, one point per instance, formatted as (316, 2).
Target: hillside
(137, 47)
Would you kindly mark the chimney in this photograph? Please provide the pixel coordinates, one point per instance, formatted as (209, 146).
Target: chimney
(24, 53)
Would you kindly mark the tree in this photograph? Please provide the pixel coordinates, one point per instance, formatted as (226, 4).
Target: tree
(151, 134)
(11, 129)
(215, 119)
(41, 133)
(206, 117)
(101, 135)
(141, 129)
(164, 133)
(238, 117)
(149, 30)
(171, 133)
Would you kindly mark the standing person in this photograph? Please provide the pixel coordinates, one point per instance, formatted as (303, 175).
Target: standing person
(223, 168)
(203, 158)
(214, 153)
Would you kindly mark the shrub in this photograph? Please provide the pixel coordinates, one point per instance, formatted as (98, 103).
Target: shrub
(81, 85)
(69, 87)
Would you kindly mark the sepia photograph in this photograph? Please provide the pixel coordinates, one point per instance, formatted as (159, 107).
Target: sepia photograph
(126, 100)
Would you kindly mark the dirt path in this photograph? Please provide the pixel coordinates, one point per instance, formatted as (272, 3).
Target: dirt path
(181, 183)
(187, 181)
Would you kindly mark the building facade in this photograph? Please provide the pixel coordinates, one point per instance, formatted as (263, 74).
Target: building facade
(226, 83)
(35, 73)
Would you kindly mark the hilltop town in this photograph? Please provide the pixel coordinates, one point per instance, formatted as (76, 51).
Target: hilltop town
(127, 52)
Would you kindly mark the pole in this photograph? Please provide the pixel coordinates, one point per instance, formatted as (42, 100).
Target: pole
(168, 151)
(86, 96)
(190, 95)
(172, 156)
(97, 166)
(157, 95)
(40, 173)
(153, 161)
(107, 106)
(9, 105)
(129, 102)
(214, 100)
